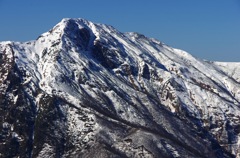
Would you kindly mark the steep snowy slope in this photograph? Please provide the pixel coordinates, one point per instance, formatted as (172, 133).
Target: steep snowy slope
(231, 69)
(87, 90)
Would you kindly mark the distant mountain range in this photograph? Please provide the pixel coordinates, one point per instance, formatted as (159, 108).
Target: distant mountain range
(84, 89)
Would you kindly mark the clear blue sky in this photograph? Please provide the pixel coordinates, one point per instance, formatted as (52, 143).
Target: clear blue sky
(207, 29)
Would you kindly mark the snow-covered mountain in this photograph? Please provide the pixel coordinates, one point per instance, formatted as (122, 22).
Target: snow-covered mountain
(87, 90)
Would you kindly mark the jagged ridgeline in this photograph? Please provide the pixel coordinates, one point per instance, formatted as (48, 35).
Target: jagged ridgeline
(87, 90)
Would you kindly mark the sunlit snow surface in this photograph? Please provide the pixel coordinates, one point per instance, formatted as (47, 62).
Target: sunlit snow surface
(132, 79)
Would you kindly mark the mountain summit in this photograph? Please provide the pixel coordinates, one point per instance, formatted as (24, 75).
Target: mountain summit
(84, 89)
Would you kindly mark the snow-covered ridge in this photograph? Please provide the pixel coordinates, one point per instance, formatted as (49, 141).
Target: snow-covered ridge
(94, 84)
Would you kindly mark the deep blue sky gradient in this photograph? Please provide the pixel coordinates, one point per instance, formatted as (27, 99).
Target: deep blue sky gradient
(207, 29)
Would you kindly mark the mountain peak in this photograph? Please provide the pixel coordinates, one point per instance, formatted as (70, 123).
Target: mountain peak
(96, 92)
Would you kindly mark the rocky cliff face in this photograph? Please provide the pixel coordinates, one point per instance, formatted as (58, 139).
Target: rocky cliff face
(87, 90)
